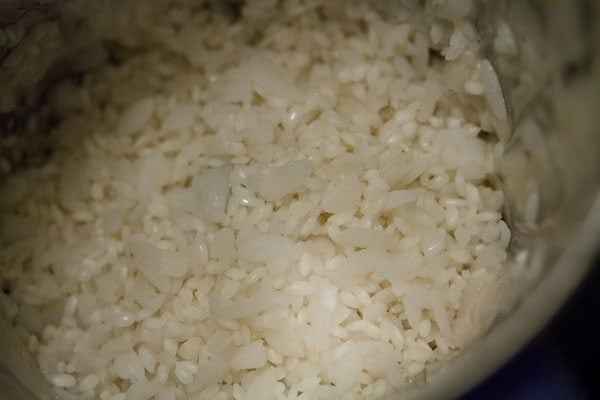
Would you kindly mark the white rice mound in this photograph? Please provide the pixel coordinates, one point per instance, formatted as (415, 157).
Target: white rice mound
(295, 205)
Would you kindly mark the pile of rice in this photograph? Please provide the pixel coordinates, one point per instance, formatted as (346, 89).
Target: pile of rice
(294, 204)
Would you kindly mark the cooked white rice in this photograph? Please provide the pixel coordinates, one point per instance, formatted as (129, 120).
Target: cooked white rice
(295, 205)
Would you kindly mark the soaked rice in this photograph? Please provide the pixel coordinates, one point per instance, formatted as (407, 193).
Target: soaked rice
(295, 204)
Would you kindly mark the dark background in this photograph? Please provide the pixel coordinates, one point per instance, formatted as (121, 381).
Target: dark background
(563, 361)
